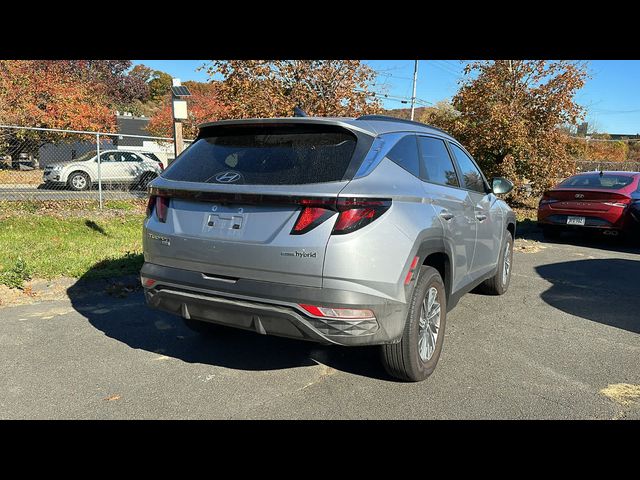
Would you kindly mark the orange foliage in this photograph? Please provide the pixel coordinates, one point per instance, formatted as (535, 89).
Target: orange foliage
(203, 106)
(43, 93)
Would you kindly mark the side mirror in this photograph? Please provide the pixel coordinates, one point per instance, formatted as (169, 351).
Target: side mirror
(501, 185)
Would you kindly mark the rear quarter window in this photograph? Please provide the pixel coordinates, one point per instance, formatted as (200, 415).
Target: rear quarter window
(405, 154)
(267, 156)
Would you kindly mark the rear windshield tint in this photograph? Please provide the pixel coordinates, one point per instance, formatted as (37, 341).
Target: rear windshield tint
(267, 156)
(605, 181)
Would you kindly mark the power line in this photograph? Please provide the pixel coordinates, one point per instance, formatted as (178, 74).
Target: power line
(395, 97)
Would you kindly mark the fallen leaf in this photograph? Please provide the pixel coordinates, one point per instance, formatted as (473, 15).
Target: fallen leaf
(112, 398)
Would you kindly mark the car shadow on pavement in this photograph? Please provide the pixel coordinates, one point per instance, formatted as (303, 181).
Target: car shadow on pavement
(601, 290)
(597, 240)
(117, 308)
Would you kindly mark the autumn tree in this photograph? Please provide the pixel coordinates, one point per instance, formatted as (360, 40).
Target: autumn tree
(261, 88)
(47, 94)
(159, 85)
(441, 115)
(510, 116)
(203, 106)
(64, 94)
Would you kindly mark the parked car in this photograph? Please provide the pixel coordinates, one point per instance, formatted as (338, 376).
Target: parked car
(116, 167)
(341, 231)
(26, 161)
(606, 201)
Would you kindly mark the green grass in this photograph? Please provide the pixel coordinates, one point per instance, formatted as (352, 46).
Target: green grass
(52, 245)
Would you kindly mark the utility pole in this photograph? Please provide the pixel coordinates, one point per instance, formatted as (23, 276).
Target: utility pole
(415, 81)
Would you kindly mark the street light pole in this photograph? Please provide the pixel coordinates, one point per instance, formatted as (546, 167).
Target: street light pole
(415, 81)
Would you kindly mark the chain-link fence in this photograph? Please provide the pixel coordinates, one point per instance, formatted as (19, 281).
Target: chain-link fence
(49, 164)
(591, 165)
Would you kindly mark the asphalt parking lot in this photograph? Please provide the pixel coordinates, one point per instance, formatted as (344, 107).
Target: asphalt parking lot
(568, 328)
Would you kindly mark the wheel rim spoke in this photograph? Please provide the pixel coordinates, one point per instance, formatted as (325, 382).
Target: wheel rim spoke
(507, 264)
(429, 324)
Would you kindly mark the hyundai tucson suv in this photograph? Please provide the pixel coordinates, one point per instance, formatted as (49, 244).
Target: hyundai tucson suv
(341, 231)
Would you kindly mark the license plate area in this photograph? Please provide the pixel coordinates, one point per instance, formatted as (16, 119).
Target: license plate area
(575, 220)
(225, 222)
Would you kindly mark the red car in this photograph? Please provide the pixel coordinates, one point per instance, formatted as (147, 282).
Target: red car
(604, 201)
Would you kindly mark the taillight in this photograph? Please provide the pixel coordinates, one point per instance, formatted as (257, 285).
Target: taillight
(161, 206)
(310, 218)
(150, 203)
(547, 199)
(356, 213)
(616, 204)
(353, 213)
(161, 165)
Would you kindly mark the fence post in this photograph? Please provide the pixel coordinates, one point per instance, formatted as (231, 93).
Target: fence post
(99, 171)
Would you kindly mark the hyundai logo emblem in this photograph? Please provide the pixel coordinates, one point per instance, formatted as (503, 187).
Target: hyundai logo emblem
(579, 195)
(228, 177)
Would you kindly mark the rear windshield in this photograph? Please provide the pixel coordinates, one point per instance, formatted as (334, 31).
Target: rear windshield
(267, 156)
(605, 181)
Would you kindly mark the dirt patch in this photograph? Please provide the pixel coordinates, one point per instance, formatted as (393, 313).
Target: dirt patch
(21, 177)
(623, 393)
(36, 290)
(39, 290)
(527, 246)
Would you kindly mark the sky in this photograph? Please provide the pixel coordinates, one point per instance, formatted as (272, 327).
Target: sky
(611, 96)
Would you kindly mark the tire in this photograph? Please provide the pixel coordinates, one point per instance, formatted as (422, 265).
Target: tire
(79, 181)
(404, 360)
(499, 283)
(550, 233)
(203, 328)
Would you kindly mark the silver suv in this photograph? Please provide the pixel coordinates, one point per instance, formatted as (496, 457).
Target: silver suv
(337, 230)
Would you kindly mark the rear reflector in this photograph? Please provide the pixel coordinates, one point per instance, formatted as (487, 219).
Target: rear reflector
(147, 282)
(342, 313)
(412, 268)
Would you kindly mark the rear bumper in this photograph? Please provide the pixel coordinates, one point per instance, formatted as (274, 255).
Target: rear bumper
(597, 220)
(272, 308)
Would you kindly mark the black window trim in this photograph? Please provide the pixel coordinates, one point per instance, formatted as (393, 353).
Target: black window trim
(487, 188)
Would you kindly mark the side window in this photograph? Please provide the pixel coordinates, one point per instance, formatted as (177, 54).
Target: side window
(437, 162)
(405, 154)
(471, 176)
(109, 157)
(130, 157)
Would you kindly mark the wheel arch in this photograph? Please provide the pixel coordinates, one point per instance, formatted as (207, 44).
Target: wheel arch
(77, 170)
(434, 253)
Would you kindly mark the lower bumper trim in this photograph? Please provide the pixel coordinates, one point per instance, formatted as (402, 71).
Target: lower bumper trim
(266, 319)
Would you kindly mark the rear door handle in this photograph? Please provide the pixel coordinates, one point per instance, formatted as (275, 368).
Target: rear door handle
(446, 215)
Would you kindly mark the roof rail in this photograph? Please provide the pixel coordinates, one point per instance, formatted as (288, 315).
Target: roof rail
(388, 118)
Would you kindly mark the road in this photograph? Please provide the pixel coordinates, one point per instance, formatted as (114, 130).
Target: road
(29, 192)
(567, 329)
